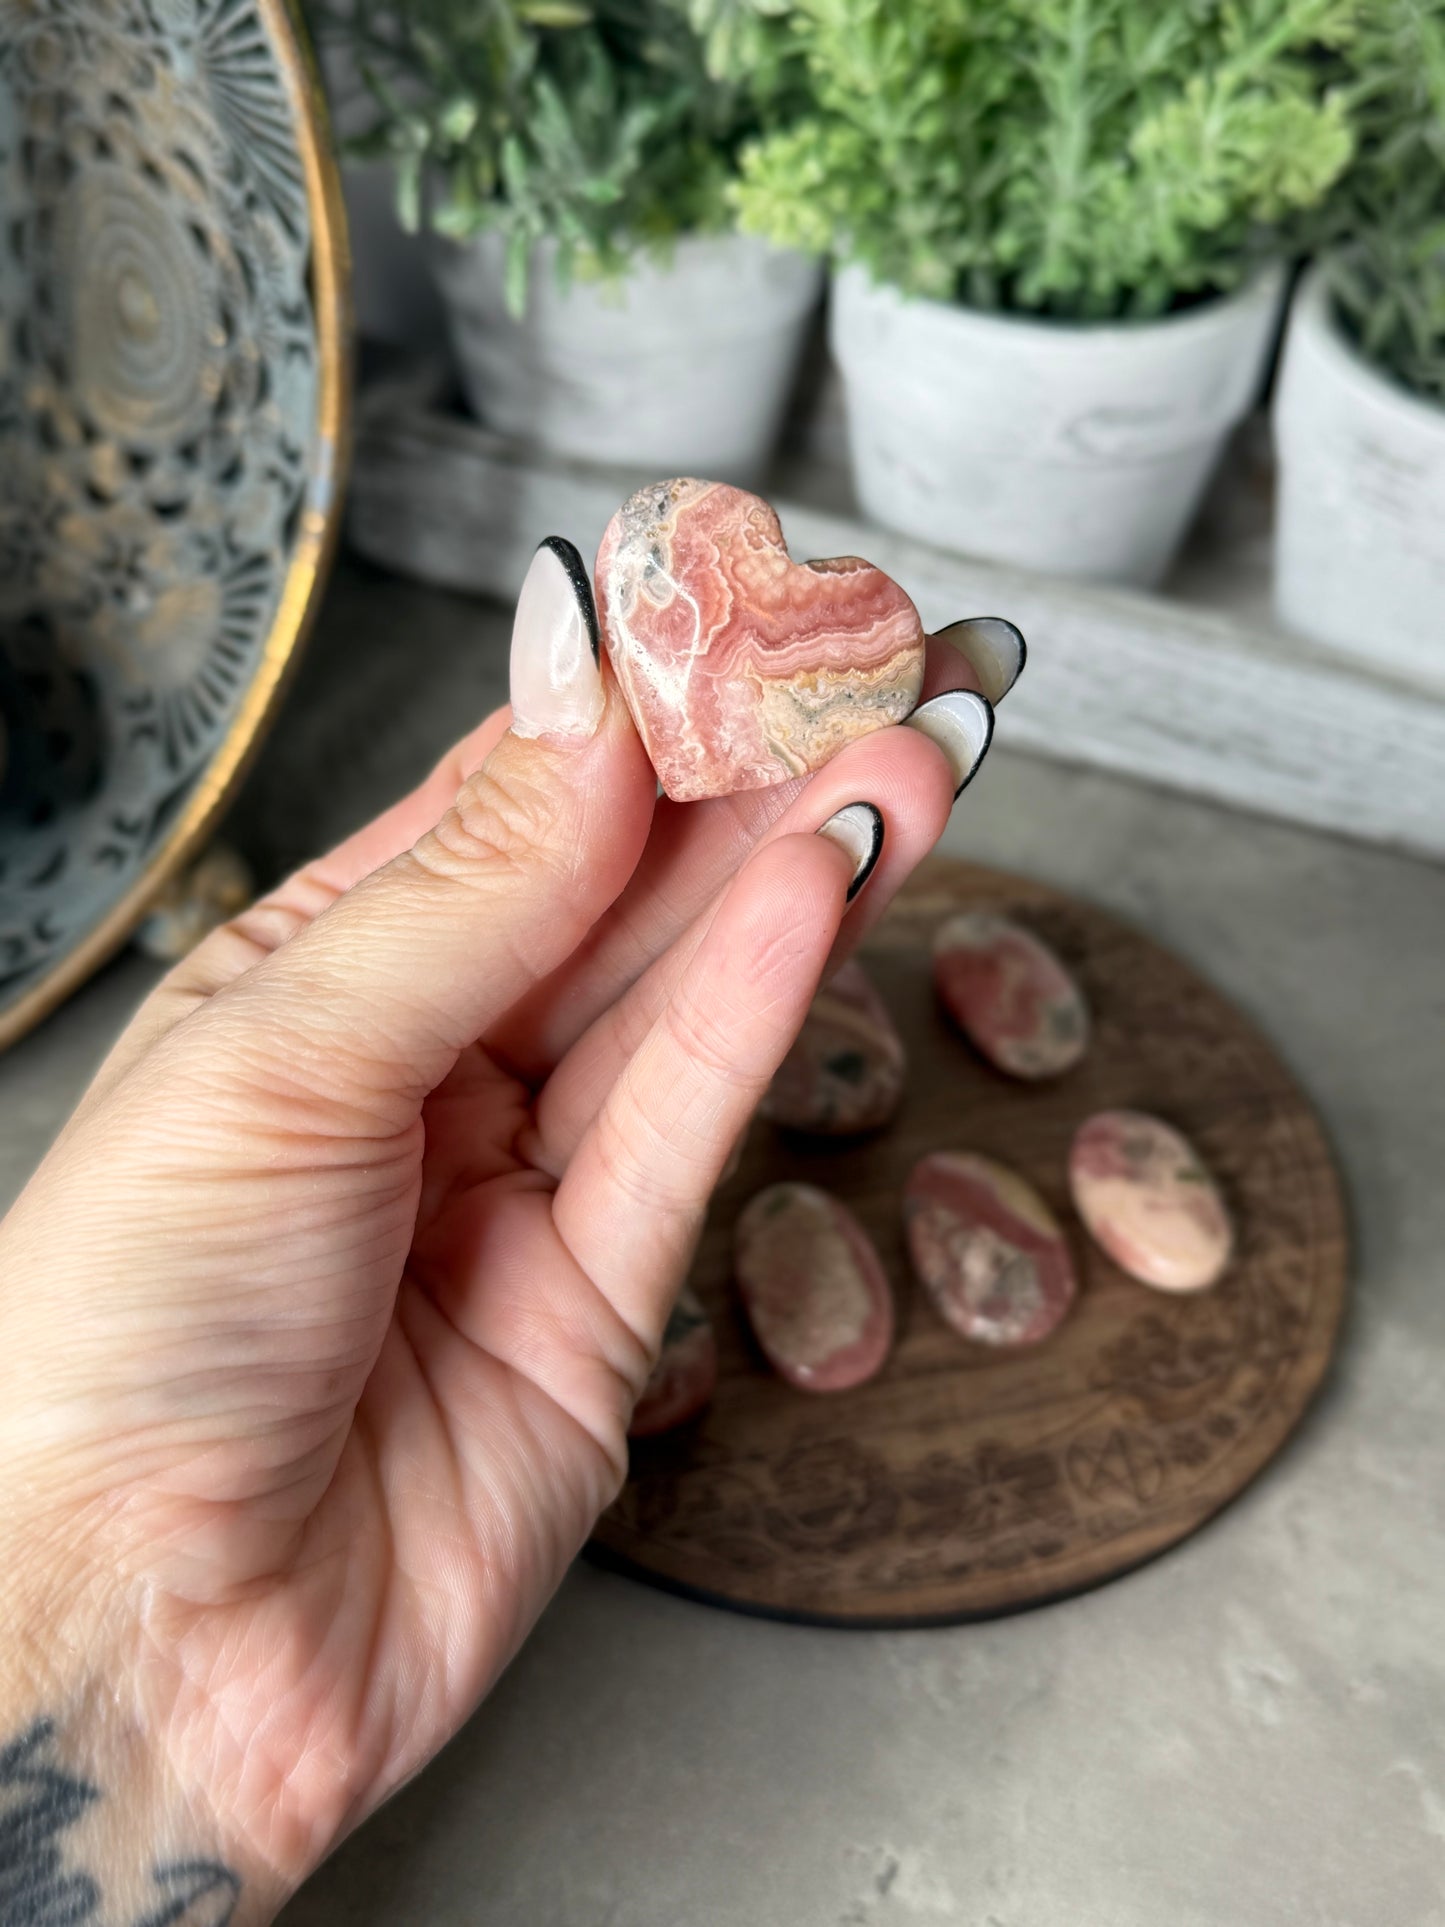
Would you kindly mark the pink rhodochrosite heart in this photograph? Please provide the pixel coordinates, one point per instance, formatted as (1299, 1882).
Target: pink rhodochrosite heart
(741, 667)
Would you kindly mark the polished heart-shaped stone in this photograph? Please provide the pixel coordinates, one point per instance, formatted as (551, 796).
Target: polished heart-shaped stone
(741, 667)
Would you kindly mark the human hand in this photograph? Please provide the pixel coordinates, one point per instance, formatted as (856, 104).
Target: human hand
(321, 1323)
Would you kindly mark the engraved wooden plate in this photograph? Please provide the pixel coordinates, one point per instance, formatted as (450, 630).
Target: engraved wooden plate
(963, 1483)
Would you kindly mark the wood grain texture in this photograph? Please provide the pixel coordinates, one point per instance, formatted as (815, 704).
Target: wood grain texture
(1117, 679)
(963, 1483)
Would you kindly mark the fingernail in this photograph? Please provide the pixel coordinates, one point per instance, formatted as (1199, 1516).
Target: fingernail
(961, 723)
(556, 681)
(994, 649)
(857, 829)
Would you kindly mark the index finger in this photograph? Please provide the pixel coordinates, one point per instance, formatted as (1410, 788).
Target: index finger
(692, 854)
(296, 901)
(632, 1200)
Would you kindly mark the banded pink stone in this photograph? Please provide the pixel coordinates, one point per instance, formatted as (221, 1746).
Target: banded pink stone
(813, 1287)
(1010, 995)
(845, 1072)
(987, 1248)
(1148, 1200)
(741, 667)
(685, 1376)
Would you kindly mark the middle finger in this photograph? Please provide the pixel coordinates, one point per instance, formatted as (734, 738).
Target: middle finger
(907, 781)
(696, 848)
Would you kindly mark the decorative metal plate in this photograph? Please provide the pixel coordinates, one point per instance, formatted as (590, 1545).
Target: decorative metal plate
(172, 394)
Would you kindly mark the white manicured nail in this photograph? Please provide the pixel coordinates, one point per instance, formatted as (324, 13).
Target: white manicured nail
(857, 829)
(556, 682)
(994, 649)
(961, 723)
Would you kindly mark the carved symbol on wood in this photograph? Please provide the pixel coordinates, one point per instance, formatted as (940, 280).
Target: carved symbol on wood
(1123, 1466)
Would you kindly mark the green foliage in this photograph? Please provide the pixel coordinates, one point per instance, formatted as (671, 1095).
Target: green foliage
(596, 123)
(1076, 158)
(1385, 226)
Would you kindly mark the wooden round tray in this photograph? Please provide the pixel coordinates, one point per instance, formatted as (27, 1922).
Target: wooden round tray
(963, 1483)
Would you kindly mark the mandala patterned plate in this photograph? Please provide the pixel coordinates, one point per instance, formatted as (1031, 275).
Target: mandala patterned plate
(964, 1482)
(172, 400)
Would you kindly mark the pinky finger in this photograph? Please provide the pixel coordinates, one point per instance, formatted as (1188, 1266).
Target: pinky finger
(634, 1195)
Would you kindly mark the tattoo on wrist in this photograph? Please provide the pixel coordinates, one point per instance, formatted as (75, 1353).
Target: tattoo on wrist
(40, 1801)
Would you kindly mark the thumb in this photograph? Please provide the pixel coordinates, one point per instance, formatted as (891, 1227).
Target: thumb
(418, 959)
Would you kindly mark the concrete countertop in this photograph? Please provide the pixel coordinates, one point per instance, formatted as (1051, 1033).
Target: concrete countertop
(1248, 1733)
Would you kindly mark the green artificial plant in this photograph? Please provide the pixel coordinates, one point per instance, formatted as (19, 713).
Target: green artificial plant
(597, 124)
(1385, 225)
(1081, 159)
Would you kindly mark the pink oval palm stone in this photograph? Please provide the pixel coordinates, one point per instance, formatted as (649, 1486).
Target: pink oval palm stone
(845, 1072)
(1010, 995)
(741, 667)
(685, 1376)
(1146, 1198)
(814, 1288)
(988, 1249)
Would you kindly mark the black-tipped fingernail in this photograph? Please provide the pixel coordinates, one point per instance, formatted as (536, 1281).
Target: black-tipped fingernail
(993, 647)
(961, 723)
(857, 829)
(555, 675)
(570, 556)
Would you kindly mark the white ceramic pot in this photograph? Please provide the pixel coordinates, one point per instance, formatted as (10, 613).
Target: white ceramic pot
(684, 367)
(1079, 450)
(392, 296)
(1360, 519)
(392, 293)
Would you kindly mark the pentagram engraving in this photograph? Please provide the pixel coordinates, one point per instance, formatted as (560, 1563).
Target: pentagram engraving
(1121, 1466)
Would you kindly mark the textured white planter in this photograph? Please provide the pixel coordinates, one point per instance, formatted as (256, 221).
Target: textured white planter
(392, 296)
(1078, 450)
(391, 290)
(683, 368)
(1360, 534)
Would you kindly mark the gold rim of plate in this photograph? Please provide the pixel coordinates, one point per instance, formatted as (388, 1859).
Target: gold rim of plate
(315, 542)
